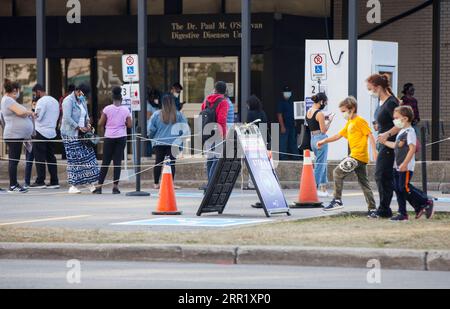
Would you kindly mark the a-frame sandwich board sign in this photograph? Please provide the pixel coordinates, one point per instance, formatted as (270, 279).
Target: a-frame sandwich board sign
(248, 142)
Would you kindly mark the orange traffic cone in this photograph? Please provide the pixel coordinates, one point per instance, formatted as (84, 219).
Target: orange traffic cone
(167, 204)
(308, 197)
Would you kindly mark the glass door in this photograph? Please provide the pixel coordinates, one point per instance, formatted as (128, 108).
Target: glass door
(198, 76)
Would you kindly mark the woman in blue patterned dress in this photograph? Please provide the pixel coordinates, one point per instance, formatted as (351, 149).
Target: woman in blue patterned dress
(82, 166)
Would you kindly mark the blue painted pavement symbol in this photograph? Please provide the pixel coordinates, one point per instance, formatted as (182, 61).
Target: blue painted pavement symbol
(193, 222)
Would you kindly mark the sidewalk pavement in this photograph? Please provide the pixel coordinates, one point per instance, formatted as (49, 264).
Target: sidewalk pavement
(242, 255)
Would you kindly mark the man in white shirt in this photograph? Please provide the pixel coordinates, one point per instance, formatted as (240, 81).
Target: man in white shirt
(47, 115)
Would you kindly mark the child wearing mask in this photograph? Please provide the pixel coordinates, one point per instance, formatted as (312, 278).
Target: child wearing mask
(358, 133)
(405, 151)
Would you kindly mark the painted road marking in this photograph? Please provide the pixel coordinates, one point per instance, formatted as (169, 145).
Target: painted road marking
(194, 222)
(44, 220)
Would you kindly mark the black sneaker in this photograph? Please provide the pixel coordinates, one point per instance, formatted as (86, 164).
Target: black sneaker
(400, 218)
(383, 214)
(116, 191)
(54, 187)
(334, 205)
(97, 191)
(38, 186)
(420, 212)
(371, 213)
(429, 210)
(17, 189)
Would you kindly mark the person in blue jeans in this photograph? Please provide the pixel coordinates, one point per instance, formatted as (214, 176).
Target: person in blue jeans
(288, 132)
(28, 168)
(319, 125)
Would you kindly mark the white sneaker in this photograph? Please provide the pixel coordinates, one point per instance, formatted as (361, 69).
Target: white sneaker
(92, 188)
(322, 194)
(74, 190)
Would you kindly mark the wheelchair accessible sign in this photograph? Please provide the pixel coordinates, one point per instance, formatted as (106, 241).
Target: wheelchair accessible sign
(130, 68)
(318, 67)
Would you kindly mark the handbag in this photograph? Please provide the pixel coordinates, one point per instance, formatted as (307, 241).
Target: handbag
(90, 139)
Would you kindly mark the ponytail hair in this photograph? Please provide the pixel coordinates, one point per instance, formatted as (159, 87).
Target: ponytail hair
(320, 97)
(382, 80)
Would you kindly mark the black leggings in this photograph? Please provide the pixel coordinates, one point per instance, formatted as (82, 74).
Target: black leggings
(14, 152)
(113, 150)
(161, 152)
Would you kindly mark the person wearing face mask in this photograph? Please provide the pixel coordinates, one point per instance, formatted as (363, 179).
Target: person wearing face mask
(379, 87)
(176, 92)
(319, 126)
(18, 127)
(47, 115)
(408, 99)
(82, 166)
(404, 164)
(288, 132)
(358, 134)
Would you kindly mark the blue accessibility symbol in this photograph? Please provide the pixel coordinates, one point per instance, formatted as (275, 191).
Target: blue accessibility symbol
(130, 70)
(319, 69)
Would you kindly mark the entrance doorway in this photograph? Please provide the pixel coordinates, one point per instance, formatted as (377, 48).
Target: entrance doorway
(198, 76)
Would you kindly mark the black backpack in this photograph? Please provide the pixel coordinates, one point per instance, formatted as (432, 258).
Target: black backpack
(207, 116)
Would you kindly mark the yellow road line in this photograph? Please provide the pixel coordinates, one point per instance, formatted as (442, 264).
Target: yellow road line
(44, 220)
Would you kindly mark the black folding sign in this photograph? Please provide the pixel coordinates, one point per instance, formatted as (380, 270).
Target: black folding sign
(252, 146)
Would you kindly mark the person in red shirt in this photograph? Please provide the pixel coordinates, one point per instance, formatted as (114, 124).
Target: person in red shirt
(220, 90)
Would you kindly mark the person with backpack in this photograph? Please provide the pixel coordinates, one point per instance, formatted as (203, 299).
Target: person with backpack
(214, 115)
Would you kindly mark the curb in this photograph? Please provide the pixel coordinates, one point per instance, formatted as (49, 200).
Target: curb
(229, 255)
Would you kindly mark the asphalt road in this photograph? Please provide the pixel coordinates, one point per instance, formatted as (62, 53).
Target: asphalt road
(53, 274)
(48, 208)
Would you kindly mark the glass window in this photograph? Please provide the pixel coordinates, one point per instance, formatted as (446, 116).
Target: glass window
(200, 74)
(24, 72)
(257, 67)
(162, 73)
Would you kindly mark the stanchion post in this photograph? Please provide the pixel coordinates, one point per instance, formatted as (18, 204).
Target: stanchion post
(142, 51)
(423, 133)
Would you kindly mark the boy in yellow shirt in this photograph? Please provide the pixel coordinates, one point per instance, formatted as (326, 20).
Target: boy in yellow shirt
(358, 134)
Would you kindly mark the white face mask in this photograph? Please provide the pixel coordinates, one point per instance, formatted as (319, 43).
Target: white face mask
(346, 115)
(399, 123)
(287, 95)
(373, 94)
(176, 95)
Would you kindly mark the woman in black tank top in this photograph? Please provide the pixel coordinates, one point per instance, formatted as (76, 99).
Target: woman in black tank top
(313, 123)
(318, 125)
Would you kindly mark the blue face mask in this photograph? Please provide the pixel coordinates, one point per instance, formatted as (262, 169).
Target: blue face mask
(287, 95)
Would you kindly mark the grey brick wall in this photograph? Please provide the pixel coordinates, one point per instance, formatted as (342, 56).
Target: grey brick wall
(414, 35)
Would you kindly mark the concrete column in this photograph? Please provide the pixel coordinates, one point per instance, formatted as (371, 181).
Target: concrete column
(40, 41)
(353, 47)
(246, 54)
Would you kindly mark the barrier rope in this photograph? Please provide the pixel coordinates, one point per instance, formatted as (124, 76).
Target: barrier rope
(178, 163)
